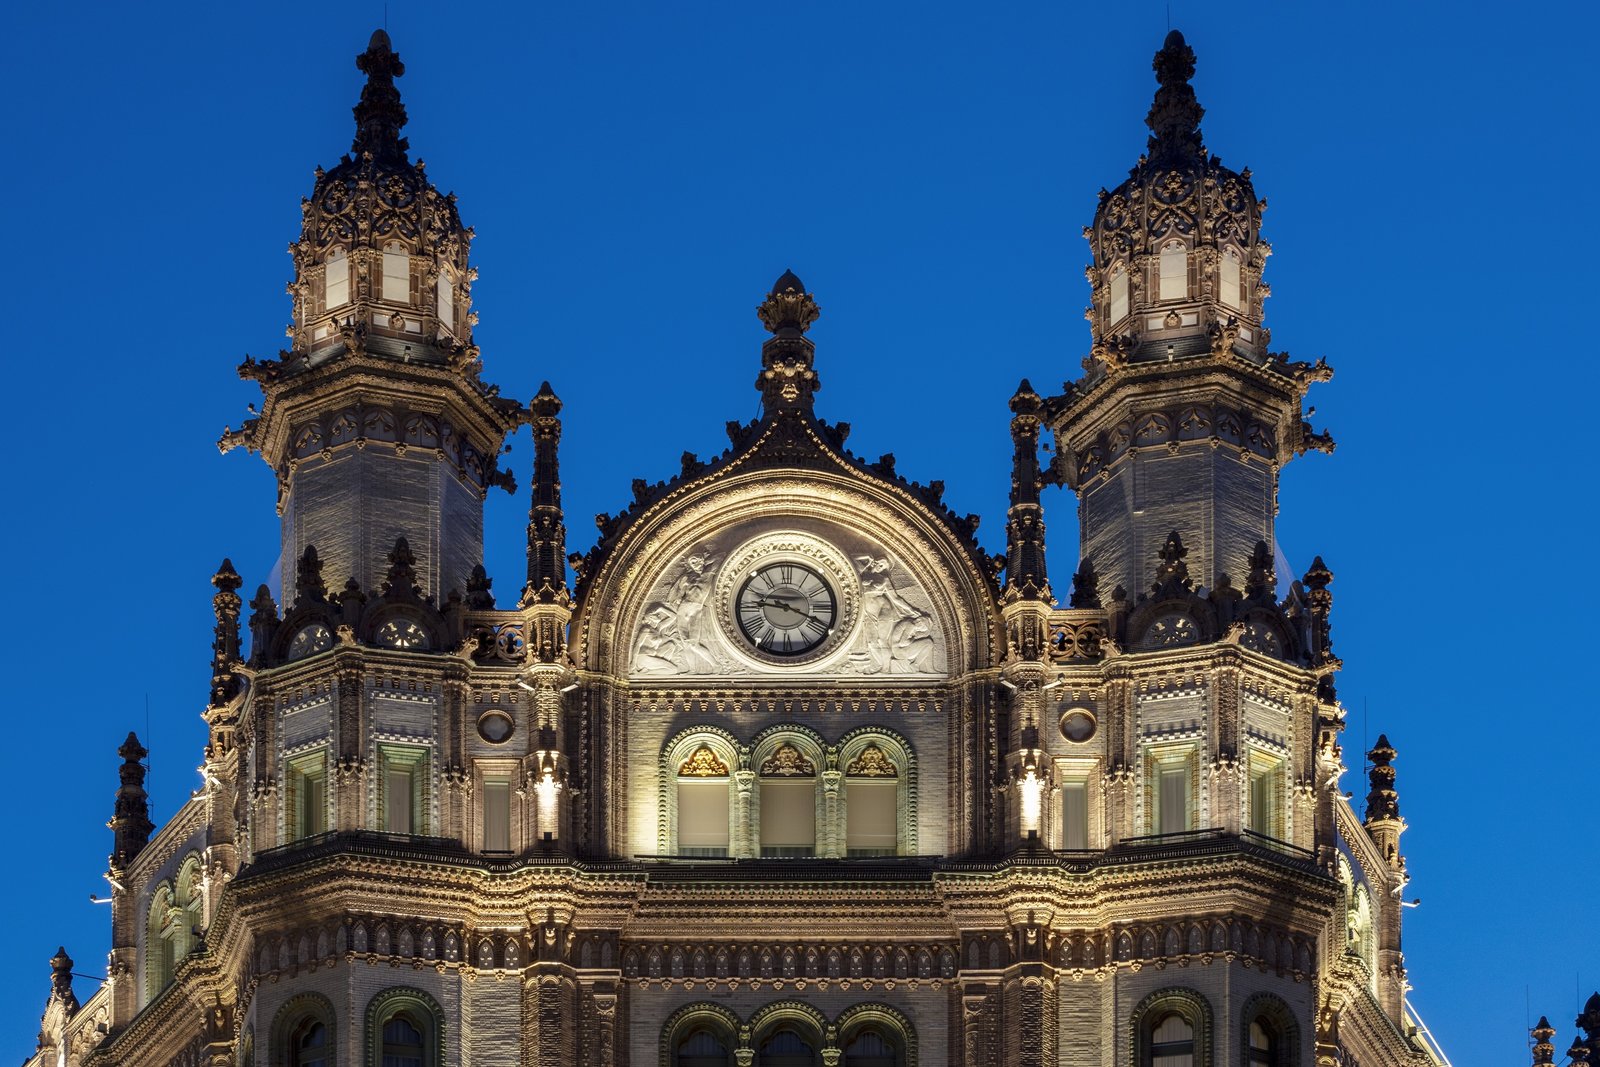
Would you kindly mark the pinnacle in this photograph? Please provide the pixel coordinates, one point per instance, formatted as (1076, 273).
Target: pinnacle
(789, 280)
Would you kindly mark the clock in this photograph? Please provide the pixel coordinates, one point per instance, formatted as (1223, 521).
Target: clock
(402, 633)
(310, 640)
(786, 609)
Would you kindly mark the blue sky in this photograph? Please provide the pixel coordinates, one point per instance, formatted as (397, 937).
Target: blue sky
(638, 176)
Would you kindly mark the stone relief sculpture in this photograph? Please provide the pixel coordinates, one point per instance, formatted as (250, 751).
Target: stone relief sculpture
(898, 635)
(675, 632)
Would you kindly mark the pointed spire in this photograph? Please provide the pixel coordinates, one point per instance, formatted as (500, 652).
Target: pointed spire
(1382, 802)
(479, 594)
(130, 822)
(308, 585)
(1319, 602)
(1544, 1052)
(380, 114)
(61, 979)
(787, 378)
(1578, 1054)
(1026, 575)
(1174, 118)
(1086, 586)
(225, 635)
(1172, 576)
(547, 529)
(1262, 583)
(402, 580)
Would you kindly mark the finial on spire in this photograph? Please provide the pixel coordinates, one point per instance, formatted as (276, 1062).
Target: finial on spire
(130, 821)
(402, 581)
(1382, 802)
(1172, 576)
(1174, 118)
(309, 587)
(225, 634)
(787, 378)
(547, 528)
(788, 306)
(380, 114)
(1026, 577)
(1085, 587)
(1544, 1051)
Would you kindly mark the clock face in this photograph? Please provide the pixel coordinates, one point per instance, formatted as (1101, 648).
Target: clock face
(402, 633)
(786, 609)
(310, 640)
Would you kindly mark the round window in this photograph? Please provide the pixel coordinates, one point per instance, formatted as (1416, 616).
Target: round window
(1078, 726)
(495, 726)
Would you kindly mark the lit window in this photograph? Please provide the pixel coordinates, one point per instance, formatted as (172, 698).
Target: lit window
(1119, 294)
(308, 797)
(336, 280)
(447, 301)
(401, 777)
(1075, 815)
(1174, 271)
(1230, 278)
(1264, 813)
(497, 815)
(1172, 1042)
(1172, 799)
(871, 825)
(703, 817)
(396, 274)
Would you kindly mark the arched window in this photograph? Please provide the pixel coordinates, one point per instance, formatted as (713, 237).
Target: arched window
(869, 1048)
(402, 1042)
(1172, 1042)
(1174, 276)
(702, 1048)
(1118, 307)
(335, 280)
(303, 1033)
(309, 1045)
(1262, 1045)
(788, 803)
(1172, 1028)
(1229, 280)
(872, 803)
(405, 1028)
(396, 273)
(160, 941)
(786, 1047)
(703, 804)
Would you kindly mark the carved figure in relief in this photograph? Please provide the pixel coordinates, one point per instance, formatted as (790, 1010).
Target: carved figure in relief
(674, 635)
(899, 636)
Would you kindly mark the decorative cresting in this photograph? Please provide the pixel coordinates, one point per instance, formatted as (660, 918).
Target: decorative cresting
(787, 761)
(703, 763)
(1177, 247)
(1194, 1008)
(391, 1002)
(871, 763)
(788, 377)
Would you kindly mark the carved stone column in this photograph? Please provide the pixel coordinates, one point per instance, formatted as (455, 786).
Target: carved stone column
(350, 765)
(1229, 763)
(745, 836)
(979, 1026)
(833, 835)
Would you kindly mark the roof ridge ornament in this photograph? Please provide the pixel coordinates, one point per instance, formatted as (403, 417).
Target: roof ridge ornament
(788, 379)
(1175, 114)
(380, 114)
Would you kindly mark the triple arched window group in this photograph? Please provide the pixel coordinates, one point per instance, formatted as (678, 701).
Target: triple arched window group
(173, 924)
(788, 1034)
(404, 1028)
(1174, 1028)
(788, 793)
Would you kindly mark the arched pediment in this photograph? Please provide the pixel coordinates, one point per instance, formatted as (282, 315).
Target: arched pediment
(894, 595)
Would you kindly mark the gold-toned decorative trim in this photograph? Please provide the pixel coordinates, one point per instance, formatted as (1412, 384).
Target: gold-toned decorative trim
(787, 761)
(703, 763)
(871, 763)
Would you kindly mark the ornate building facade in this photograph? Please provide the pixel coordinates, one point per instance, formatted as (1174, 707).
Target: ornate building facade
(793, 772)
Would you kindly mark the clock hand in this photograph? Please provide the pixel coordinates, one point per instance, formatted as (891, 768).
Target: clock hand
(792, 610)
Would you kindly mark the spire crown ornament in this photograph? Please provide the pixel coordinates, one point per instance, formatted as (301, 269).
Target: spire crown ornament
(1175, 114)
(1383, 802)
(380, 114)
(787, 379)
(788, 309)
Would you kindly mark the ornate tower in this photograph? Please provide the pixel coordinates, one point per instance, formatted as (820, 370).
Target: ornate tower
(375, 419)
(1184, 417)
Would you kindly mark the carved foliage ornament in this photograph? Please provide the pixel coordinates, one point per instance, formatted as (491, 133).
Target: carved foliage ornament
(787, 761)
(871, 763)
(703, 763)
